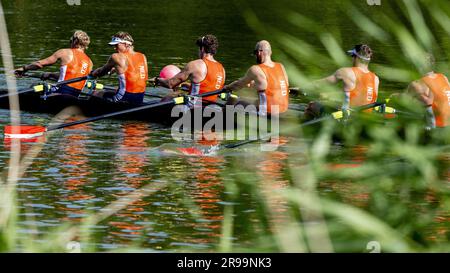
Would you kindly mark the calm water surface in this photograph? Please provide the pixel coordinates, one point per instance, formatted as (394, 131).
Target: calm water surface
(83, 169)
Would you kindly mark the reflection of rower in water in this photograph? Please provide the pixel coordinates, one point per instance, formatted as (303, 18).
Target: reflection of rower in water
(131, 68)
(132, 155)
(269, 79)
(206, 189)
(271, 171)
(76, 176)
(433, 90)
(360, 84)
(74, 63)
(206, 74)
(132, 159)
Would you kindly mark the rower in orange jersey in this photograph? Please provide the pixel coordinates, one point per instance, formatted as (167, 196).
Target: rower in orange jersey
(269, 79)
(74, 63)
(433, 89)
(360, 85)
(131, 68)
(206, 74)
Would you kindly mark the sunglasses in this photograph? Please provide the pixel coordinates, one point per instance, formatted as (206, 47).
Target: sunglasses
(255, 52)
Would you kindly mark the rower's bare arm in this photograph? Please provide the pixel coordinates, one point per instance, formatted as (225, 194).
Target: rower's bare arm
(49, 75)
(332, 79)
(377, 84)
(421, 92)
(285, 75)
(317, 84)
(40, 64)
(113, 62)
(248, 80)
(176, 80)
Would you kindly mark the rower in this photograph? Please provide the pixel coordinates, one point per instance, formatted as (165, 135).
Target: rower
(74, 63)
(359, 83)
(433, 90)
(268, 78)
(206, 74)
(131, 68)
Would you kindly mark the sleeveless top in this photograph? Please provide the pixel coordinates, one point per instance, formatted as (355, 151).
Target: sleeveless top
(364, 92)
(277, 91)
(134, 80)
(80, 66)
(214, 80)
(440, 87)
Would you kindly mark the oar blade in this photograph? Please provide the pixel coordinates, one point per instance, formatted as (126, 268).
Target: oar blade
(23, 131)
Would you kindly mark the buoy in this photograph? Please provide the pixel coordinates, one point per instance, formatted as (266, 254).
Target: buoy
(169, 71)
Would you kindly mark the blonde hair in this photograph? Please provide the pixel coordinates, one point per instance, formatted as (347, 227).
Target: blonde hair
(80, 39)
(124, 36)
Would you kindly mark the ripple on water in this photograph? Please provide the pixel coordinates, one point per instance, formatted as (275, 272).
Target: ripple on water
(40, 206)
(39, 224)
(158, 234)
(189, 245)
(110, 189)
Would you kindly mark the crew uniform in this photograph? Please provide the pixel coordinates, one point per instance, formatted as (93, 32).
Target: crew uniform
(365, 91)
(440, 87)
(277, 91)
(214, 80)
(133, 82)
(80, 66)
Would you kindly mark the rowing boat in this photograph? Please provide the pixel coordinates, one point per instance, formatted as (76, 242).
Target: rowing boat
(91, 106)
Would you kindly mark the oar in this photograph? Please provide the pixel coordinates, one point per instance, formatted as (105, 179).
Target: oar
(174, 101)
(41, 87)
(290, 107)
(335, 115)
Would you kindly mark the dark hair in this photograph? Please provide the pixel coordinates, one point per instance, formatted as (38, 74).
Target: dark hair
(364, 50)
(209, 43)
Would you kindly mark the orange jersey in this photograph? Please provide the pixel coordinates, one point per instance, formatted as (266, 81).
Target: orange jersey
(365, 91)
(214, 80)
(276, 93)
(134, 80)
(80, 66)
(440, 87)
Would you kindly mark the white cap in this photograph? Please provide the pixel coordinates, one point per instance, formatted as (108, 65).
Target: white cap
(353, 52)
(117, 40)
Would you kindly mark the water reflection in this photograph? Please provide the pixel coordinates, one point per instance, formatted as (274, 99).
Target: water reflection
(204, 188)
(131, 163)
(76, 169)
(271, 170)
(353, 193)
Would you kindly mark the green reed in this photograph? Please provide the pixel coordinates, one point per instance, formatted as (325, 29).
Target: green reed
(396, 191)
